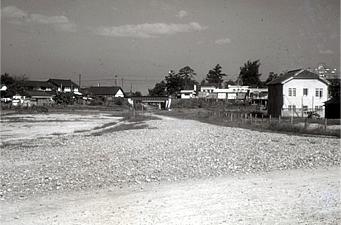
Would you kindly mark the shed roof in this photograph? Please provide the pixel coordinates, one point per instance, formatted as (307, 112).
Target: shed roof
(36, 83)
(62, 82)
(111, 90)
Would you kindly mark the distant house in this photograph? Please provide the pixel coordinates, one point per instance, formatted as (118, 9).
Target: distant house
(40, 98)
(233, 92)
(37, 85)
(206, 91)
(187, 94)
(106, 93)
(65, 86)
(258, 96)
(296, 93)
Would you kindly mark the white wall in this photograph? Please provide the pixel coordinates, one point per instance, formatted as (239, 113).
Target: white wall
(119, 94)
(310, 100)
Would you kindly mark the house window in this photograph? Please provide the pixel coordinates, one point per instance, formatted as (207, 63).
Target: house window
(305, 108)
(305, 91)
(292, 91)
(319, 92)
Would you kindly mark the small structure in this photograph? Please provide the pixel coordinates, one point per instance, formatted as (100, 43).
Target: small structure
(107, 93)
(258, 96)
(41, 98)
(163, 102)
(187, 94)
(206, 91)
(332, 108)
(65, 86)
(297, 93)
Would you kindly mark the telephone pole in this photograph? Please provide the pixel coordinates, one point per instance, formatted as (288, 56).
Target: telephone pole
(115, 80)
(122, 82)
(79, 80)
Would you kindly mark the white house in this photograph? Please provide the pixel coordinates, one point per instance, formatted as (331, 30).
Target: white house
(296, 93)
(187, 94)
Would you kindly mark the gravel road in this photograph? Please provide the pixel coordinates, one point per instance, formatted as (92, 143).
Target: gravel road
(166, 150)
(301, 196)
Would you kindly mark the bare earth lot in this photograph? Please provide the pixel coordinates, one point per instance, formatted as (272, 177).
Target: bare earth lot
(168, 171)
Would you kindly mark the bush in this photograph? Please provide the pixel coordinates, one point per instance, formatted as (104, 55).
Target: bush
(64, 98)
(118, 101)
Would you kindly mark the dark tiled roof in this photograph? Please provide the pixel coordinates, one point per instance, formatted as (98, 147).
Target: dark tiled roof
(297, 74)
(37, 84)
(284, 77)
(40, 93)
(64, 83)
(104, 90)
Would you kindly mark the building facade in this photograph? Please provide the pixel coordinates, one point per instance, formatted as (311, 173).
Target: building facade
(297, 93)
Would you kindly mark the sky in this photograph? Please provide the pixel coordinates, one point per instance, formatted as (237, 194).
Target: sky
(139, 41)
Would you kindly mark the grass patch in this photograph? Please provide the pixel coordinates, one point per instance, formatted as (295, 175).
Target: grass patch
(205, 116)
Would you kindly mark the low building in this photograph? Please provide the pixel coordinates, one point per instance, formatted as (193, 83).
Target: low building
(258, 96)
(187, 94)
(332, 108)
(32, 85)
(65, 86)
(41, 98)
(107, 93)
(297, 93)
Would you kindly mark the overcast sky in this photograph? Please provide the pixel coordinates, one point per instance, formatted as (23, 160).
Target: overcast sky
(143, 39)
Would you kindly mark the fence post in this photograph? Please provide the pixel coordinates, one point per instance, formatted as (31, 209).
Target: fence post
(292, 120)
(279, 119)
(305, 123)
(270, 118)
(250, 118)
(262, 118)
(231, 117)
(325, 123)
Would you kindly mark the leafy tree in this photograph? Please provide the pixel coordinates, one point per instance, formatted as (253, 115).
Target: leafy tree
(271, 77)
(215, 76)
(137, 94)
(249, 74)
(13, 85)
(187, 75)
(174, 82)
(158, 90)
(229, 82)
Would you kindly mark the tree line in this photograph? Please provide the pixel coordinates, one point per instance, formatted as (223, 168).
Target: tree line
(185, 79)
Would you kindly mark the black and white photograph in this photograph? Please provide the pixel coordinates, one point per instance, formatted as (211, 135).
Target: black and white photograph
(170, 112)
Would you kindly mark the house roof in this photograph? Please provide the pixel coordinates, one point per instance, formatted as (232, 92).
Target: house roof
(40, 93)
(34, 83)
(62, 82)
(296, 74)
(112, 90)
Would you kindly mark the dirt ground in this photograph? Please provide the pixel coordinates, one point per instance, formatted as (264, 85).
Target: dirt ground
(282, 197)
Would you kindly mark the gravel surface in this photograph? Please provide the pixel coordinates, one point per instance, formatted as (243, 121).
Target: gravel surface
(166, 150)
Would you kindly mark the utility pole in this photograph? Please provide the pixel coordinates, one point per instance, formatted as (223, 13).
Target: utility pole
(131, 88)
(115, 80)
(122, 82)
(79, 80)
